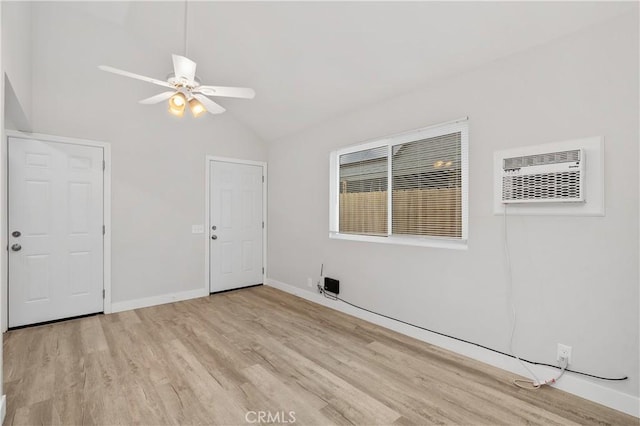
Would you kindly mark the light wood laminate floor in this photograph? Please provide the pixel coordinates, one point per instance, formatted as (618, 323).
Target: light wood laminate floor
(225, 358)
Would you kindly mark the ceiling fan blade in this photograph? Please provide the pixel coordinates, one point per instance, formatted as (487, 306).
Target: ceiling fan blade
(211, 106)
(156, 99)
(228, 92)
(132, 75)
(184, 68)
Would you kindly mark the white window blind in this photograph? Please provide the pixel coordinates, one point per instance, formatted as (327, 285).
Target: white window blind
(427, 187)
(363, 192)
(409, 188)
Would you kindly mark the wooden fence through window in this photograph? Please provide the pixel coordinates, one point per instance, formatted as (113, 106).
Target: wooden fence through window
(428, 212)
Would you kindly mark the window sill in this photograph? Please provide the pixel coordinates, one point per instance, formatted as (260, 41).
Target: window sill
(405, 241)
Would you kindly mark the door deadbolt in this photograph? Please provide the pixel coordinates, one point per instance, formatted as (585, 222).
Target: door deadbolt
(214, 227)
(16, 247)
(16, 234)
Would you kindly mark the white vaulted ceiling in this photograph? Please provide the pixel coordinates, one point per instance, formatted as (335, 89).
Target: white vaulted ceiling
(308, 62)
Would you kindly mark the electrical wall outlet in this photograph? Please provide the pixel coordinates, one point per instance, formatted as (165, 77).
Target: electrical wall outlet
(564, 351)
(309, 282)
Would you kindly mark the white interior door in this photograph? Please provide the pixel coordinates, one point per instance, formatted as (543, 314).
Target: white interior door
(236, 225)
(55, 230)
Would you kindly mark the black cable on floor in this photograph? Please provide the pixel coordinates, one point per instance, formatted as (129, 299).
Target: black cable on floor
(335, 297)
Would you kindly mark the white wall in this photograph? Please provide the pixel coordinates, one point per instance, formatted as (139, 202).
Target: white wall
(158, 161)
(16, 51)
(576, 278)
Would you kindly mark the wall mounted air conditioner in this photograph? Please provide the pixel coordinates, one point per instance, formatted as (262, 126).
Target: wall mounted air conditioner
(521, 179)
(543, 178)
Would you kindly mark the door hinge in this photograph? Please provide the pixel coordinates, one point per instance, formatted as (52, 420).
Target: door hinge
(262, 179)
(104, 230)
(263, 224)
(104, 165)
(263, 270)
(103, 293)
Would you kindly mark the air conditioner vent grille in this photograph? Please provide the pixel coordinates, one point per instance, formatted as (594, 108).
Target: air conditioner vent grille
(542, 159)
(547, 186)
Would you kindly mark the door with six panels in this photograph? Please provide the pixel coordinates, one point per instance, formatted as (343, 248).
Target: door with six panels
(55, 223)
(236, 234)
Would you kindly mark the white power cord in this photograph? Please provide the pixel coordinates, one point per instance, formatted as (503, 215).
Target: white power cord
(535, 383)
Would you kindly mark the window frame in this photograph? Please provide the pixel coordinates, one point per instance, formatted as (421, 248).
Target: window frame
(454, 126)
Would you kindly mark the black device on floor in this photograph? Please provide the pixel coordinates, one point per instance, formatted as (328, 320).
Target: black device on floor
(331, 285)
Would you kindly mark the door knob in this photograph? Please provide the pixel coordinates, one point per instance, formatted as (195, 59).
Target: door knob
(16, 234)
(16, 247)
(214, 237)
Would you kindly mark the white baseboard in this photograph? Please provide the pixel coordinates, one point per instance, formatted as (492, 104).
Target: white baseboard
(3, 408)
(145, 302)
(612, 398)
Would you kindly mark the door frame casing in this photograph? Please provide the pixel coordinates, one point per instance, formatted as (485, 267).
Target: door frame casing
(207, 220)
(106, 210)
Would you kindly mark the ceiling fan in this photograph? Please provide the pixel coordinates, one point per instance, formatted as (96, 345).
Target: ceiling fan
(186, 89)
(185, 86)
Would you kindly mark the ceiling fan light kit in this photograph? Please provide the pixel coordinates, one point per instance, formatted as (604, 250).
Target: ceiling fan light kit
(177, 104)
(196, 107)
